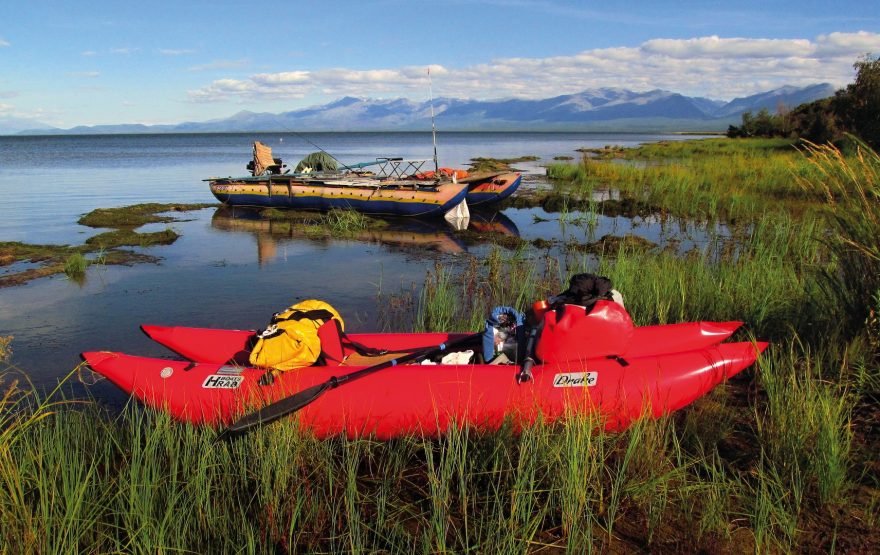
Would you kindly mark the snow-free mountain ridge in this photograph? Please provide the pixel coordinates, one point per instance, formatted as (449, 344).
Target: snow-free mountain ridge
(605, 109)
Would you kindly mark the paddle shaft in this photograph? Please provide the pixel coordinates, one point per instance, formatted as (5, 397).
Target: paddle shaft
(293, 403)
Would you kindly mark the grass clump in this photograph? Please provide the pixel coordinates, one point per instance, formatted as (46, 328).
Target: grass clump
(75, 266)
(347, 221)
(5, 348)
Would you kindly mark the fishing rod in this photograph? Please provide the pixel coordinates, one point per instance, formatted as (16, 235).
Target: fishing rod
(433, 128)
(306, 139)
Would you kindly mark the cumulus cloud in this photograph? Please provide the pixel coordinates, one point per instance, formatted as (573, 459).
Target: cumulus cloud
(717, 47)
(845, 44)
(711, 66)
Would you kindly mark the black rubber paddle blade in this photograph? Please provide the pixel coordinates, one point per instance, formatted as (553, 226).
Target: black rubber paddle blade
(276, 410)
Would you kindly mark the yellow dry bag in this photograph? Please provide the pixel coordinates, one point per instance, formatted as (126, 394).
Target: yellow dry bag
(291, 339)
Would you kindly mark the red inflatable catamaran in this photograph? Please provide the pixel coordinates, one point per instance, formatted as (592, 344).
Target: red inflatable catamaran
(618, 376)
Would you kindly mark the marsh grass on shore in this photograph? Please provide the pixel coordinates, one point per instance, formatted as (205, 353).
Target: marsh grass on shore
(782, 458)
(714, 178)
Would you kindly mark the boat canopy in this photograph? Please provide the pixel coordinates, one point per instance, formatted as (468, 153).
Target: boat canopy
(316, 162)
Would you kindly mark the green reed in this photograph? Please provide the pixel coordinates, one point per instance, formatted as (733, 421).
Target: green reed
(76, 480)
(851, 186)
(75, 266)
(346, 221)
(740, 180)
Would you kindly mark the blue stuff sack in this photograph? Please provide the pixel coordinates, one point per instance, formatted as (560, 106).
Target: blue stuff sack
(504, 331)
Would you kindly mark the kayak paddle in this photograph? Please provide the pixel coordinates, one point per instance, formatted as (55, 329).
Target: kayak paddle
(288, 405)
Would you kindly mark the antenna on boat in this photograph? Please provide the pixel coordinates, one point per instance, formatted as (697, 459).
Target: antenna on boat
(433, 128)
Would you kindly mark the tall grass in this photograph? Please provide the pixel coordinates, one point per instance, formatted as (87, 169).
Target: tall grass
(851, 185)
(739, 180)
(141, 483)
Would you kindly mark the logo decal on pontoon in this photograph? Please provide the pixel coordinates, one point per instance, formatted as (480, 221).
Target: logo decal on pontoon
(166, 372)
(575, 379)
(219, 381)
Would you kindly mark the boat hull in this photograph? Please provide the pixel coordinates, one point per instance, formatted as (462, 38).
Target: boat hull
(370, 197)
(427, 400)
(492, 190)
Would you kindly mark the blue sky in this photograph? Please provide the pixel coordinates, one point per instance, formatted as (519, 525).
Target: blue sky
(98, 62)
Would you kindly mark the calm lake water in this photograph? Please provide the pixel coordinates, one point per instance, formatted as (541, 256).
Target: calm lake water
(229, 271)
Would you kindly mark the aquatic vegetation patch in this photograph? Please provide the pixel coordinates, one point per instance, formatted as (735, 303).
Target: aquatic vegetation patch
(14, 251)
(564, 201)
(72, 260)
(137, 215)
(336, 221)
(62, 259)
(130, 238)
(481, 164)
(613, 244)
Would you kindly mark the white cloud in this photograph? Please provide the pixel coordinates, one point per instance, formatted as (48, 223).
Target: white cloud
(88, 74)
(4, 42)
(845, 44)
(89, 53)
(10, 111)
(711, 66)
(176, 52)
(716, 47)
(124, 50)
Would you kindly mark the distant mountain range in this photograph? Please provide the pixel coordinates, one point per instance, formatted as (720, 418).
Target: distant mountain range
(606, 109)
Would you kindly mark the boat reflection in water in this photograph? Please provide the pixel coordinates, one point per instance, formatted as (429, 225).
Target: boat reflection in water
(435, 235)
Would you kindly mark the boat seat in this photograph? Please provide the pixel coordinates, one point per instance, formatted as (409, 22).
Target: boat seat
(357, 359)
(339, 350)
(330, 335)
